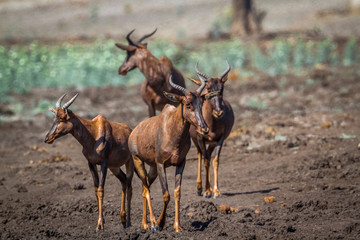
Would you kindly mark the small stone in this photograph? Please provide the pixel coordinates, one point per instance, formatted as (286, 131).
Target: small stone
(269, 199)
(326, 124)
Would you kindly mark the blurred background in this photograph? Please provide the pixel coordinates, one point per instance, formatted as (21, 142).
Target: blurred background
(290, 168)
(55, 43)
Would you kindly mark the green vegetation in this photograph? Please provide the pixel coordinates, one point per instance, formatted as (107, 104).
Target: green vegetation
(222, 22)
(95, 64)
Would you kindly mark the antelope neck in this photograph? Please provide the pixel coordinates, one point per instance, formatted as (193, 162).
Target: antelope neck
(177, 124)
(207, 111)
(150, 67)
(82, 130)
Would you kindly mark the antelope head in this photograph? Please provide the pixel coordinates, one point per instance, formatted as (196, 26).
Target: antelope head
(214, 86)
(191, 104)
(61, 123)
(134, 51)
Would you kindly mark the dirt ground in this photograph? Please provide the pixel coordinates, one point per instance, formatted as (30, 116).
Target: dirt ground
(289, 170)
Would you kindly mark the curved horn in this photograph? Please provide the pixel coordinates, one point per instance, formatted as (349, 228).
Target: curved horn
(203, 78)
(180, 88)
(226, 71)
(200, 74)
(146, 36)
(66, 105)
(199, 90)
(129, 40)
(58, 103)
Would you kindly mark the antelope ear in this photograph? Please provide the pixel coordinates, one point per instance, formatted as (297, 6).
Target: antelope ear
(172, 97)
(210, 95)
(125, 47)
(52, 110)
(197, 82)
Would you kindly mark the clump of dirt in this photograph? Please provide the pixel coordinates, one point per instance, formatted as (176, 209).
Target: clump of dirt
(54, 158)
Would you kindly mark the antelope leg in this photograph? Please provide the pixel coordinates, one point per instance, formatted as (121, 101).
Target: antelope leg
(177, 194)
(198, 180)
(142, 174)
(216, 167)
(152, 109)
(166, 197)
(122, 177)
(100, 195)
(94, 173)
(151, 178)
(129, 176)
(202, 147)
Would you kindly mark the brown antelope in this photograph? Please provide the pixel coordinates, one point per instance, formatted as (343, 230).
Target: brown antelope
(219, 116)
(156, 72)
(164, 141)
(104, 143)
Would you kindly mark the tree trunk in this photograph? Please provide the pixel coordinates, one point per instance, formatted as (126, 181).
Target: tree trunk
(245, 19)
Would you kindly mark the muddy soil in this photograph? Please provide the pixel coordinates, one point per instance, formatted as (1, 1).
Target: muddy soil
(289, 170)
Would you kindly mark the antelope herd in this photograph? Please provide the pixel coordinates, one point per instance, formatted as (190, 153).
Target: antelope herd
(159, 141)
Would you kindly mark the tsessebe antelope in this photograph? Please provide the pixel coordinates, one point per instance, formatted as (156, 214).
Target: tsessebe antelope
(104, 143)
(156, 71)
(164, 141)
(219, 116)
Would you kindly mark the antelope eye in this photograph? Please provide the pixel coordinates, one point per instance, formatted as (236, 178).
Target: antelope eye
(189, 106)
(59, 120)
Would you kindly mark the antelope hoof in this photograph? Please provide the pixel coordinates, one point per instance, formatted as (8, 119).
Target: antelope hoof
(207, 194)
(123, 219)
(145, 226)
(128, 224)
(178, 229)
(199, 191)
(100, 225)
(155, 228)
(99, 229)
(217, 194)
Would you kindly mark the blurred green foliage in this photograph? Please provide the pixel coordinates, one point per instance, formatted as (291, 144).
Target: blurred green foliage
(351, 53)
(256, 103)
(222, 22)
(95, 64)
